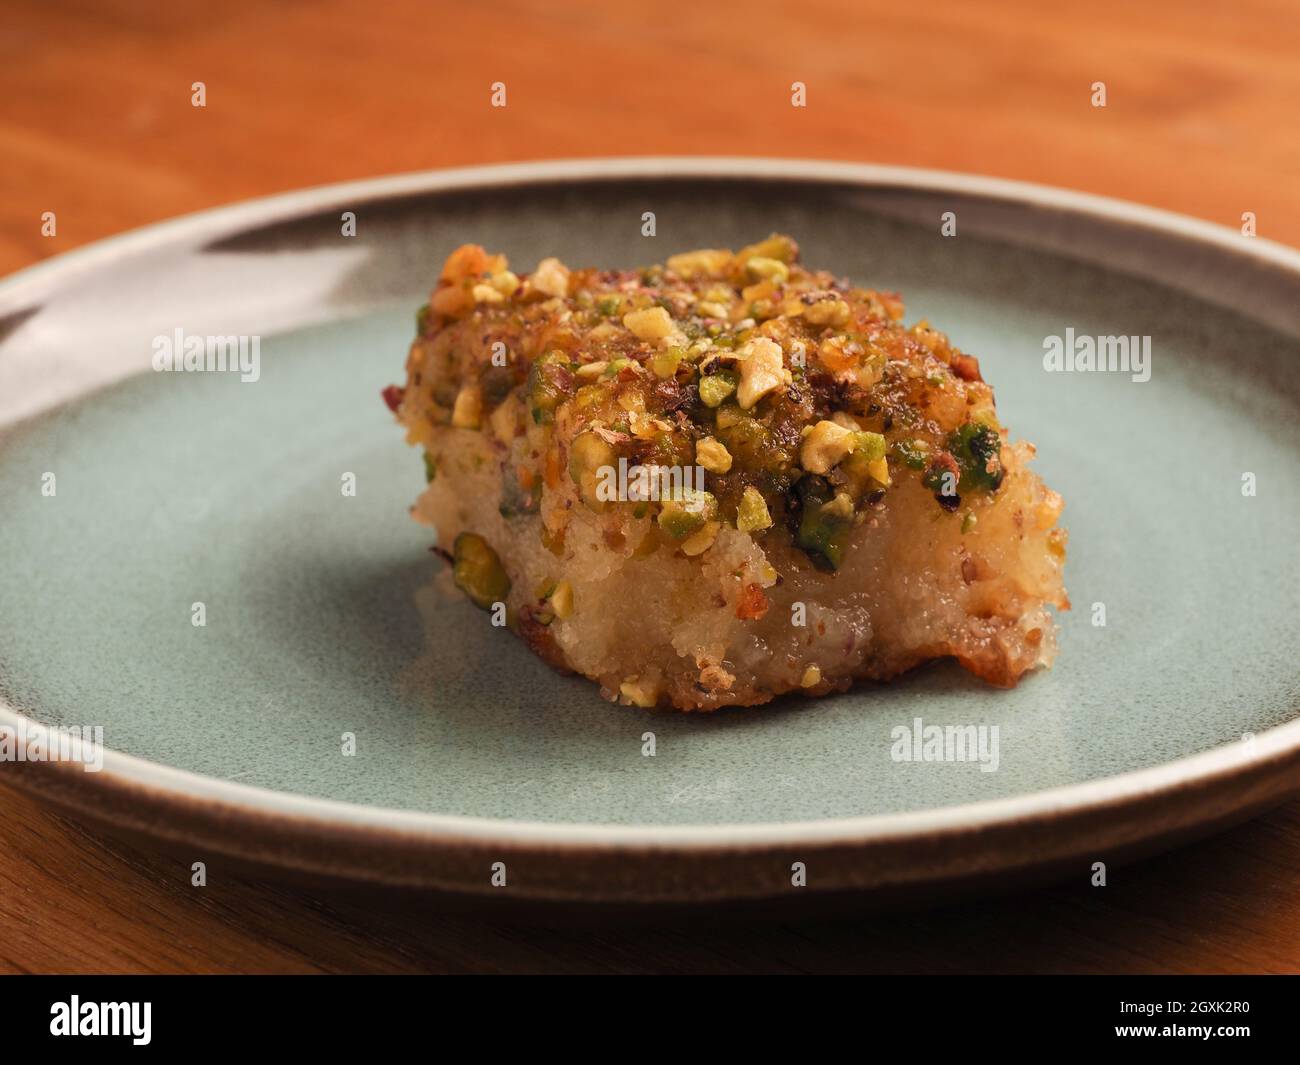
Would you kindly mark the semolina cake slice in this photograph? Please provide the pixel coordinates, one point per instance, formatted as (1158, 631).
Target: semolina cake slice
(713, 481)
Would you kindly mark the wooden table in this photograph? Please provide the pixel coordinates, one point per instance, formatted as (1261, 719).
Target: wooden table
(96, 124)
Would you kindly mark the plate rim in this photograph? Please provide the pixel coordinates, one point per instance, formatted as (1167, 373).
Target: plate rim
(1271, 750)
(213, 221)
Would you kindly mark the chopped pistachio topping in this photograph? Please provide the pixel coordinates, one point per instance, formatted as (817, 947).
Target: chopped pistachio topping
(551, 277)
(870, 446)
(762, 371)
(825, 522)
(777, 246)
(707, 262)
(760, 267)
(712, 455)
(824, 446)
(588, 454)
(828, 312)
(804, 398)
(699, 542)
(486, 294)
(505, 282)
(752, 515)
(914, 454)
(665, 363)
(679, 518)
(653, 323)
(977, 447)
(478, 572)
(717, 387)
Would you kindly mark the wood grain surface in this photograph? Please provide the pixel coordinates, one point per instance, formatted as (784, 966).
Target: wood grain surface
(96, 125)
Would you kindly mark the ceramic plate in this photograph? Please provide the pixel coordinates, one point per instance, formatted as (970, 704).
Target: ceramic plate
(131, 495)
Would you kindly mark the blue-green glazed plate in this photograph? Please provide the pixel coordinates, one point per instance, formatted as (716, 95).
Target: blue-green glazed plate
(336, 715)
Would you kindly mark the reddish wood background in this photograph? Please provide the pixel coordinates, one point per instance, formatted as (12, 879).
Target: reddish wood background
(96, 124)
